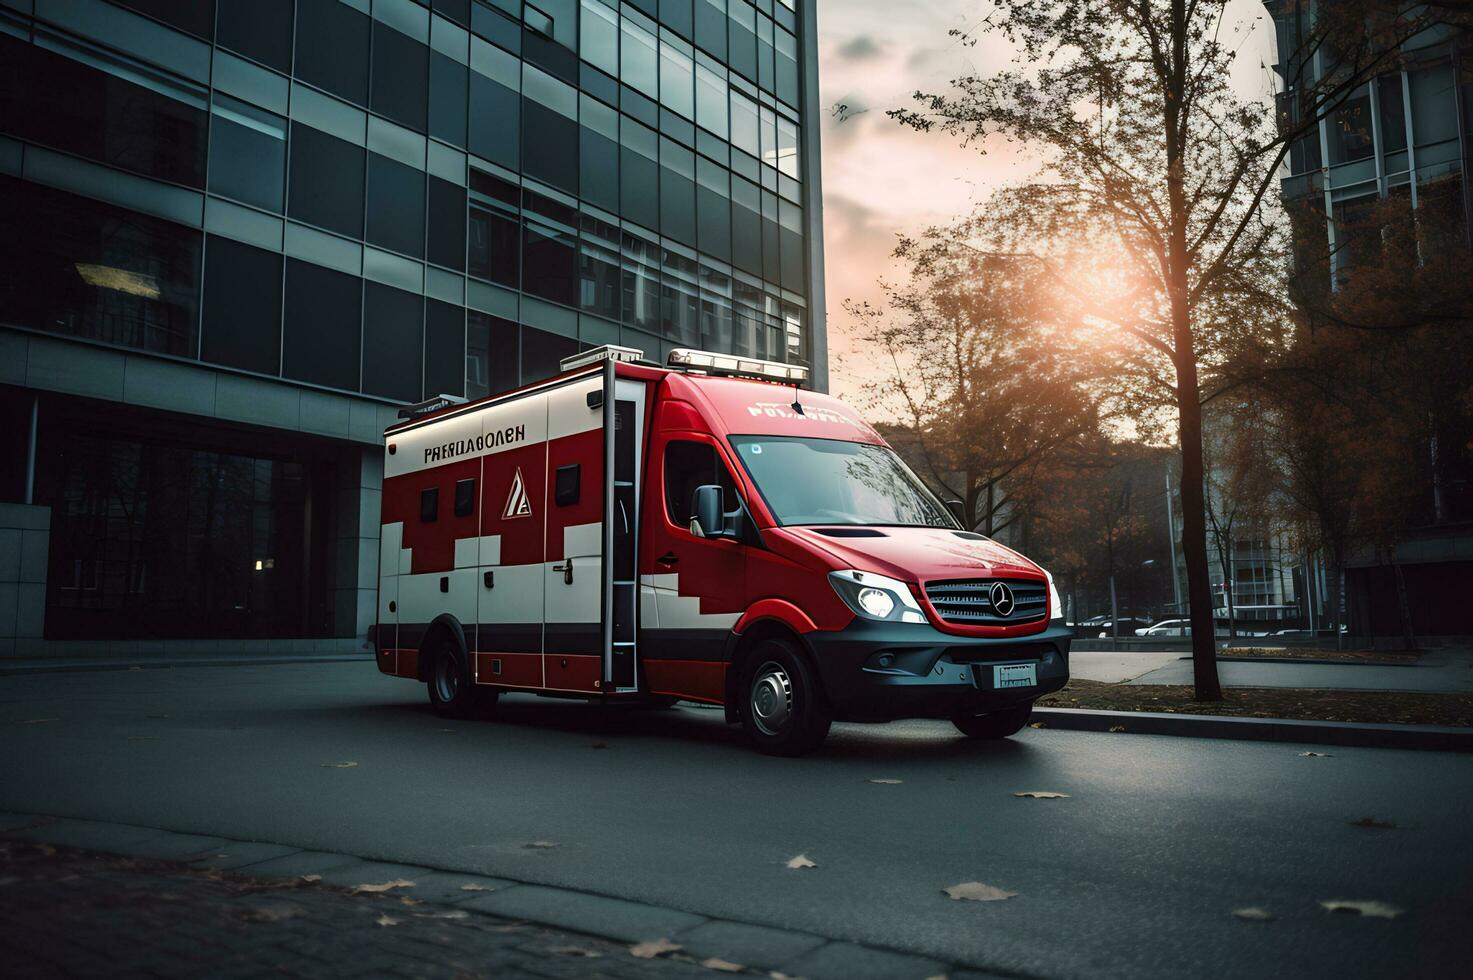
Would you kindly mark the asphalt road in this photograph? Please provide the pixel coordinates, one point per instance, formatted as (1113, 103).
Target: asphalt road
(1135, 874)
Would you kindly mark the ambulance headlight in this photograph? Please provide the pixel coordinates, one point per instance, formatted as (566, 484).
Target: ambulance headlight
(877, 596)
(1055, 603)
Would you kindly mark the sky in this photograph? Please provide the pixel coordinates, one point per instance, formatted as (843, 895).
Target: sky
(880, 179)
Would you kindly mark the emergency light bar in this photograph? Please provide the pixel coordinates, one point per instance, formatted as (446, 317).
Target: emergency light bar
(736, 366)
(430, 405)
(608, 352)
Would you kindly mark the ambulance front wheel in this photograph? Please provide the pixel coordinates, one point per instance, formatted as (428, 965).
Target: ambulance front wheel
(452, 692)
(785, 711)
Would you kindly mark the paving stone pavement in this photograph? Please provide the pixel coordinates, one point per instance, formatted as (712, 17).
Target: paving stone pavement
(82, 914)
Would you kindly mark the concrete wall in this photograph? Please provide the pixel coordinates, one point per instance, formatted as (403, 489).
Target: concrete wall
(25, 536)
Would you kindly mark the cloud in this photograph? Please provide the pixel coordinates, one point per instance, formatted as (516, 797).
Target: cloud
(861, 47)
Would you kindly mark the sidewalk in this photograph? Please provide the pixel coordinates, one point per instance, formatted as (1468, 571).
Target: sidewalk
(1445, 671)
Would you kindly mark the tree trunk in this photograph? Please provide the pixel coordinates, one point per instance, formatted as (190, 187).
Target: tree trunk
(1225, 562)
(1403, 607)
(1194, 539)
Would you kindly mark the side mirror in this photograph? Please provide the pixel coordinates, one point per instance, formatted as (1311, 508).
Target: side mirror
(706, 519)
(955, 506)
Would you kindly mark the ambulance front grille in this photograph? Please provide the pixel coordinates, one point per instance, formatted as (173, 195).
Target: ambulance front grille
(968, 602)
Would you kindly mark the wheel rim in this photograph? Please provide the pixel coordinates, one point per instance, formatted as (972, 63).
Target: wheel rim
(772, 698)
(447, 679)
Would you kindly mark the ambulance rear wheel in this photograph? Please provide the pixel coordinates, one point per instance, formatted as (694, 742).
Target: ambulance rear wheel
(452, 693)
(784, 710)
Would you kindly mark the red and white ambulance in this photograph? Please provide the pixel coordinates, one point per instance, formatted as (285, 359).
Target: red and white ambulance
(704, 530)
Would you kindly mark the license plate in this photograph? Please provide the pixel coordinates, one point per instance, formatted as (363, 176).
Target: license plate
(1014, 675)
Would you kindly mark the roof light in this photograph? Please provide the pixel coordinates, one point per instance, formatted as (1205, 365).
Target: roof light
(430, 405)
(734, 365)
(608, 352)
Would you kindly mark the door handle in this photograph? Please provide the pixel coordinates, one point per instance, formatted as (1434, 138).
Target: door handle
(670, 558)
(567, 569)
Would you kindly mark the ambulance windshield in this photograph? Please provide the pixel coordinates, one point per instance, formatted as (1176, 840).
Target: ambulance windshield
(827, 481)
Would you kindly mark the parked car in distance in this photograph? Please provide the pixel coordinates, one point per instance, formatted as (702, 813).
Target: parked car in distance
(1129, 625)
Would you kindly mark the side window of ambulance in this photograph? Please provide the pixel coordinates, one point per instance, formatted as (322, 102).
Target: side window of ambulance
(429, 505)
(690, 464)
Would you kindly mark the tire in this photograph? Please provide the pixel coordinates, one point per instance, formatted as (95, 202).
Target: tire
(452, 692)
(997, 724)
(783, 708)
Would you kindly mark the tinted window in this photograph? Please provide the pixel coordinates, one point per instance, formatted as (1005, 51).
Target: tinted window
(332, 48)
(599, 40)
(447, 224)
(444, 349)
(393, 342)
(711, 26)
(259, 29)
(449, 98)
(248, 154)
(689, 465)
(495, 120)
(677, 192)
(190, 15)
(598, 268)
(429, 505)
(98, 271)
(676, 15)
(396, 205)
(492, 357)
(542, 353)
(550, 130)
(326, 181)
(549, 250)
(494, 246)
(465, 497)
(598, 154)
(713, 209)
(400, 77)
(639, 174)
(746, 225)
(110, 109)
(323, 326)
(242, 306)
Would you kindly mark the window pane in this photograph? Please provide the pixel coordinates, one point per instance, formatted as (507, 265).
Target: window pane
(639, 59)
(190, 15)
(600, 37)
(640, 286)
(109, 108)
(688, 465)
(495, 104)
(326, 181)
(495, 230)
(447, 224)
(791, 244)
(259, 29)
(400, 77)
(679, 299)
(98, 272)
(449, 98)
(711, 26)
(493, 355)
(746, 225)
(744, 125)
(549, 250)
(550, 129)
(393, 342)
(711, 100)
(598, 154)
(242, 306)
(769, 135)
(742, 50)
(676, 15)
(713, 209)
(1350, 131)
(444, 349)
(766, 64)
(677, 192)
(1393, 113)
(332, 49)
(787, 147)
(598, 268)
(542, 353)
(787, 67)
(676, 79)
(639, 174)
(248, 154)
(323, 326)
(396, 206)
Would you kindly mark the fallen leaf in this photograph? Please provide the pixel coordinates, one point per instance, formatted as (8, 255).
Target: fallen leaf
(473, 887)
(1372, 910)
(654, 947)
(725, 966)
(1042, 794)
(406, 900)
(975, 891)
(886, 782)
(445, 914)
(801, 861)
(339, 765)
(36, 721)
(1373, 823)
(572, 951)
(387, 920)
(540, 845)
(385, 886)
(309, 879)
(1036, 724)
(1314, 755)
(1117, 728)
(1253, 913)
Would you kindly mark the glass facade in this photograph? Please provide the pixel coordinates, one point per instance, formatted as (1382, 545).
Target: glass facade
(402, 198)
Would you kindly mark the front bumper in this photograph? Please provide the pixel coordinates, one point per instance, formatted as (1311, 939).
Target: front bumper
(884, 671)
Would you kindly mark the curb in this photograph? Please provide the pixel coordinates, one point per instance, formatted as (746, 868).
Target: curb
(1305, 660)
(68, 666)
(763, 949)
(1433, 738)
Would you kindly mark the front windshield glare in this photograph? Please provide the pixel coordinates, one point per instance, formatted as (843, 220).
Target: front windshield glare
(825, 481)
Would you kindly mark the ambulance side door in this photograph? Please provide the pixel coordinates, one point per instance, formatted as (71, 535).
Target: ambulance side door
(512, 543)
(573, 566)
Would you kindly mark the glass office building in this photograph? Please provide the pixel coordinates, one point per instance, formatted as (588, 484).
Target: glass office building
(238, 234)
